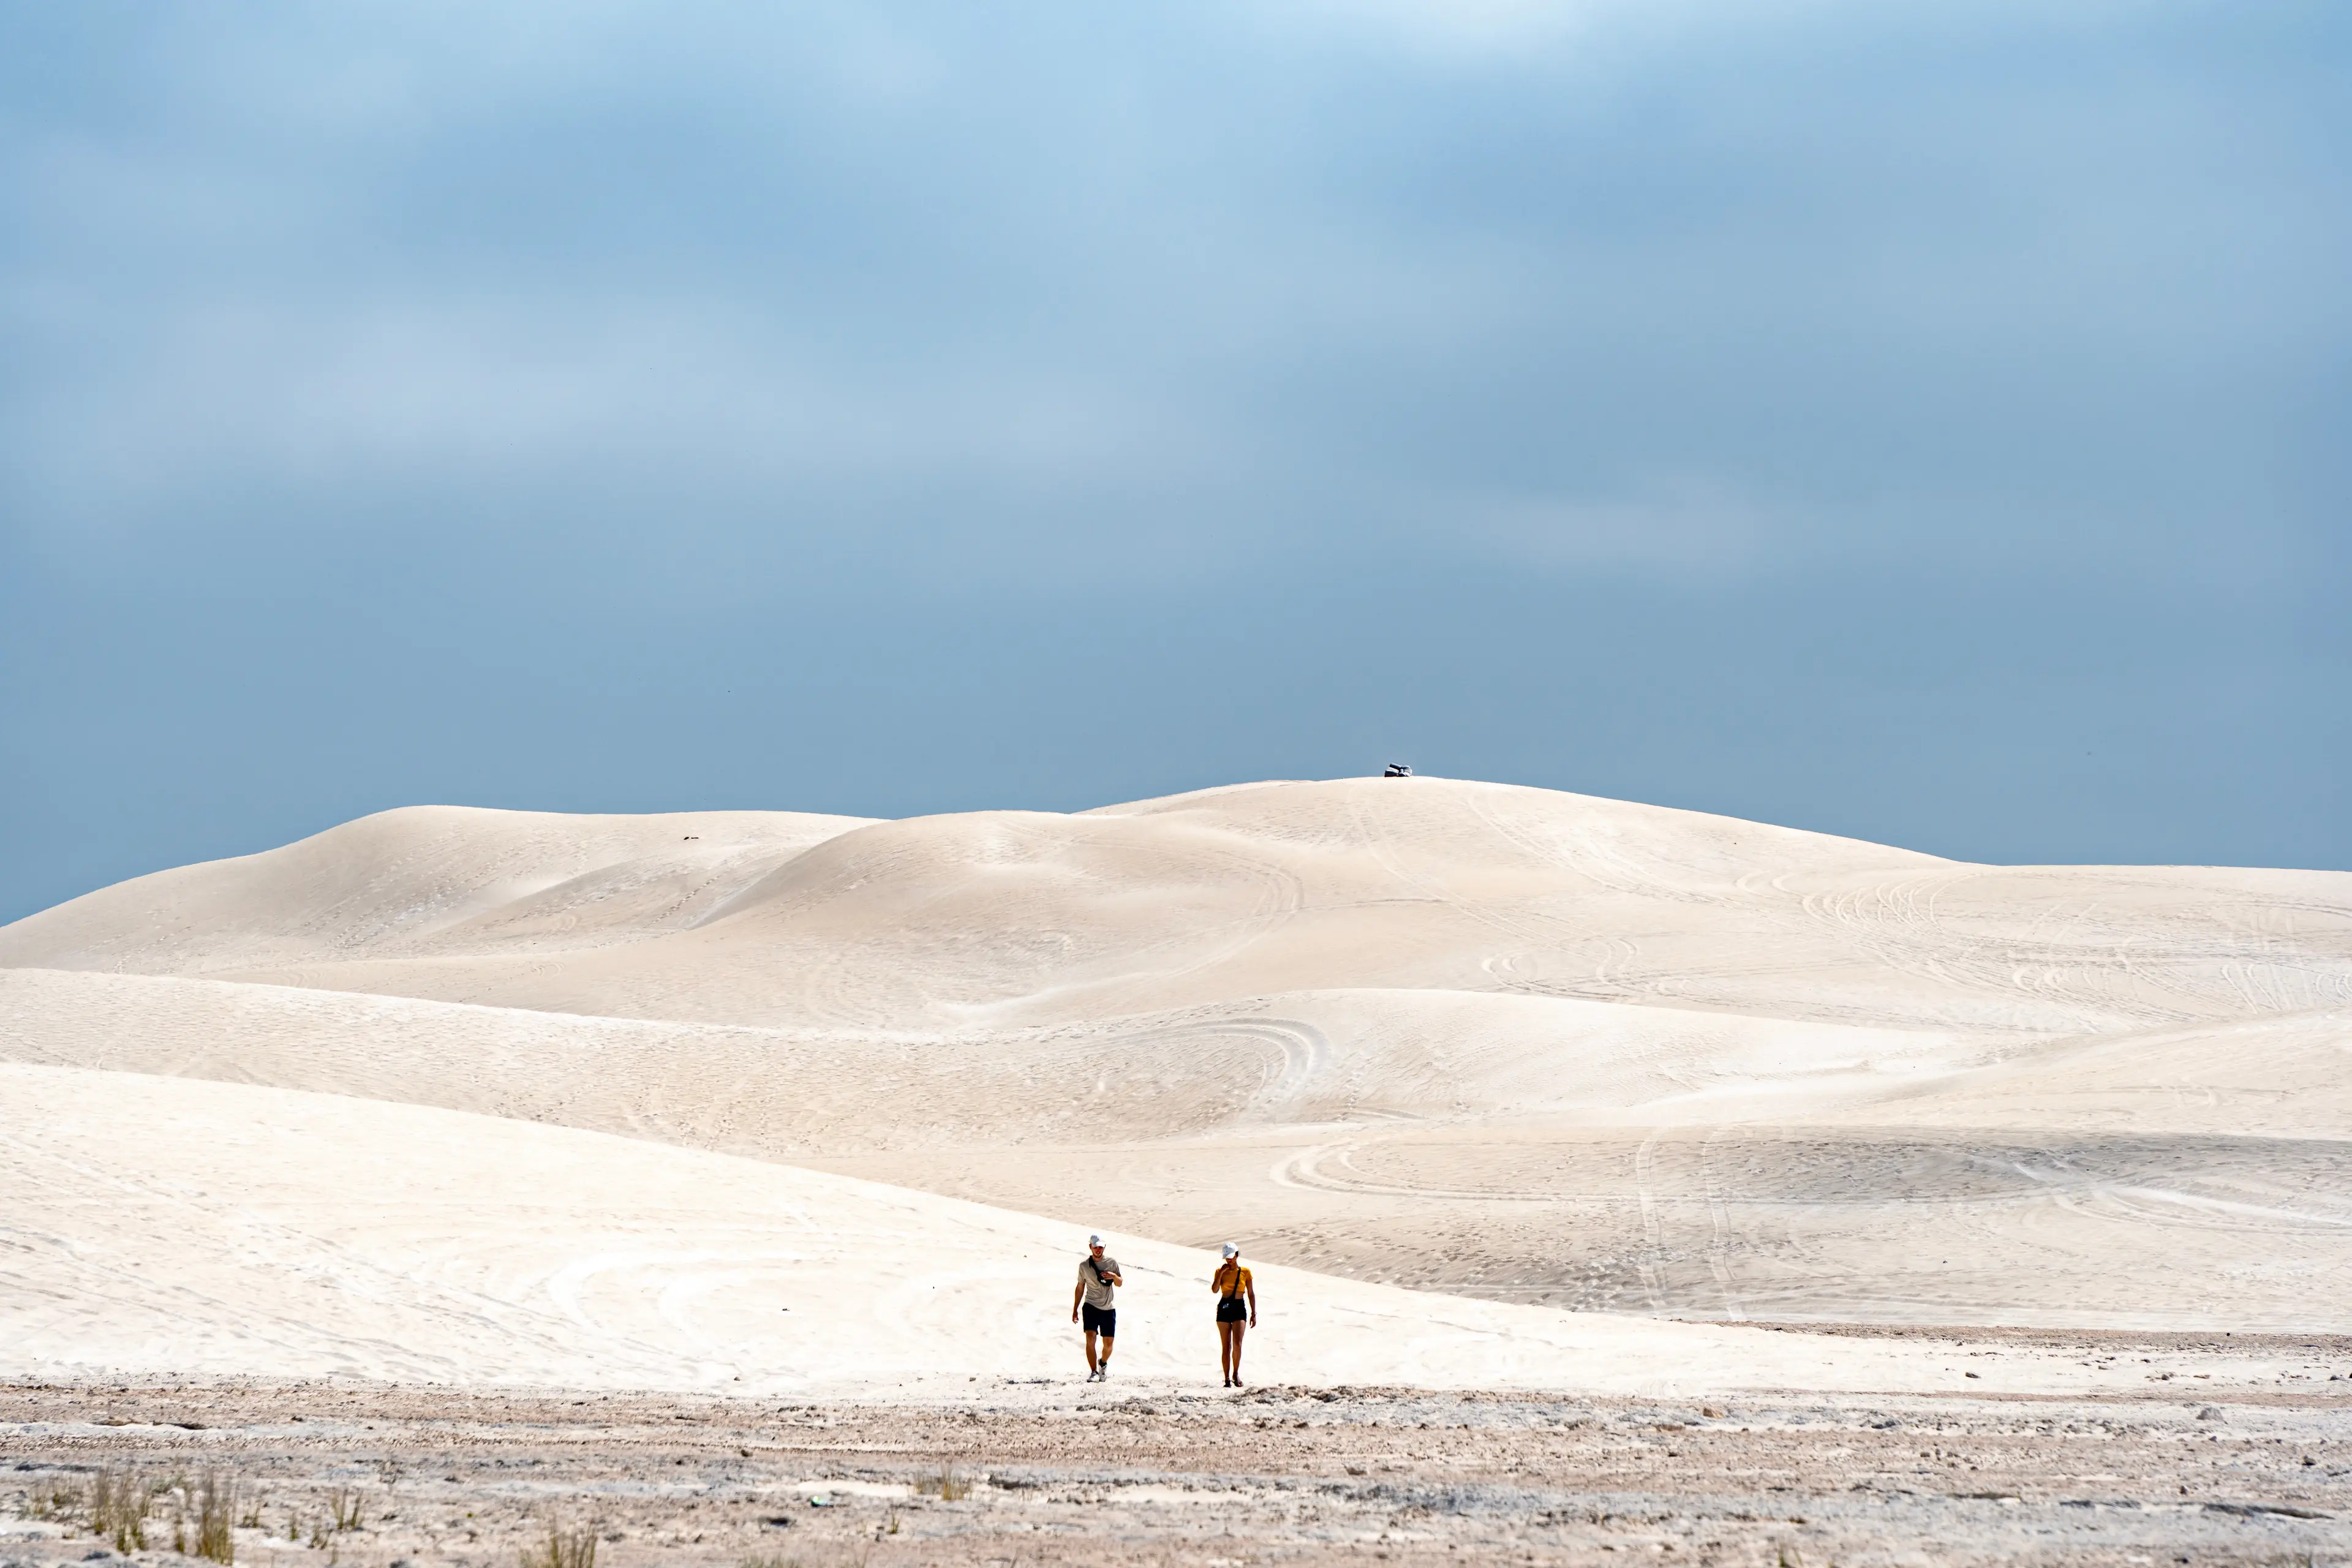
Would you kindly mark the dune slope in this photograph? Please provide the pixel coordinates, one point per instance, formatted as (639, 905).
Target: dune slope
(169, 1226)
(1469, 1038)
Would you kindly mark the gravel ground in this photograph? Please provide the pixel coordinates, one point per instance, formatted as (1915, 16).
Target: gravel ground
(1066, 1473)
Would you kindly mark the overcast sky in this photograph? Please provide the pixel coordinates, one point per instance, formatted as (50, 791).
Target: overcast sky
(1927, 422)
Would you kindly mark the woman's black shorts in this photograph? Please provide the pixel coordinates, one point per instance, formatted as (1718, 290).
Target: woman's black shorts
(1103, 1320)
(1231, 1310)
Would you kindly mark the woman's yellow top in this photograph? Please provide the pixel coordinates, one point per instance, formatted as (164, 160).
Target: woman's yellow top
(1231, 1280)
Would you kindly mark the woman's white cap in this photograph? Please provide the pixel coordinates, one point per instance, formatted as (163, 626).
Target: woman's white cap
(1232, 1251)
(1094, 1241)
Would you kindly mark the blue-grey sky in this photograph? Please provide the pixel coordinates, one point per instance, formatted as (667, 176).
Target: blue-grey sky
(1929, 422)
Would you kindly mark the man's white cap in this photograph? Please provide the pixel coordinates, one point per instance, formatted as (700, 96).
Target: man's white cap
(1232, 1251)
(1094, 1241)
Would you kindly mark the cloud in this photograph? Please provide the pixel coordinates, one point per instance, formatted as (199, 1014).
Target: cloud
(1872, 264)
(569, 342)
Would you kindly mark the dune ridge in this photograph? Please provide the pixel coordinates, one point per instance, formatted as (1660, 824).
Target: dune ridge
(1013, 919)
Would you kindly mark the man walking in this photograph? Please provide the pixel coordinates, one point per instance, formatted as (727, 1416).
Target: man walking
(1097, 1277)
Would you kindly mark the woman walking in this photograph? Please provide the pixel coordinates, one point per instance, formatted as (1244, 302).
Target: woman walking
(1236, 1296)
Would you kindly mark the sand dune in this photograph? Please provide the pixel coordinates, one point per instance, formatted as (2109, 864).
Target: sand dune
(1308, 1058)
(1492, 1041)
(998, 920)
(169, 1226)
(425, 877)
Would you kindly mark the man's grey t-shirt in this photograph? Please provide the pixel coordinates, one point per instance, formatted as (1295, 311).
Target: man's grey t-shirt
(1098, 1289)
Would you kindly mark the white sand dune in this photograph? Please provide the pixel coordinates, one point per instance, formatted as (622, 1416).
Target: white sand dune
(156, 1226)
(403, 879)
(1308, 1058)
(996, 919)
(1494, 1041)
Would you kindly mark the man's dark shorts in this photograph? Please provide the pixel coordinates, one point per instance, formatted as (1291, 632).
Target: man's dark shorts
(1103, 1320)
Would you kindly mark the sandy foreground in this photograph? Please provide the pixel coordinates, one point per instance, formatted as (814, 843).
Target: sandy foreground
(346, 1308)
(1063, 1473)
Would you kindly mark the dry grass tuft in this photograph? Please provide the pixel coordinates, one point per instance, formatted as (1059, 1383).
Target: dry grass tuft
(948, 1485)
(118, 1509)
(216, 1514)
(563, 1548)
(56, 1500)
(343, 1510)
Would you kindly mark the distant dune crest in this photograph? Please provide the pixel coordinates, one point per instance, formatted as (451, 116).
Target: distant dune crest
(1014, 919)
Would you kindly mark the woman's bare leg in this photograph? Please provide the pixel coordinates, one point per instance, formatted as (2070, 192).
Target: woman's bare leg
(1233, 1352)
(1225, 1351)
